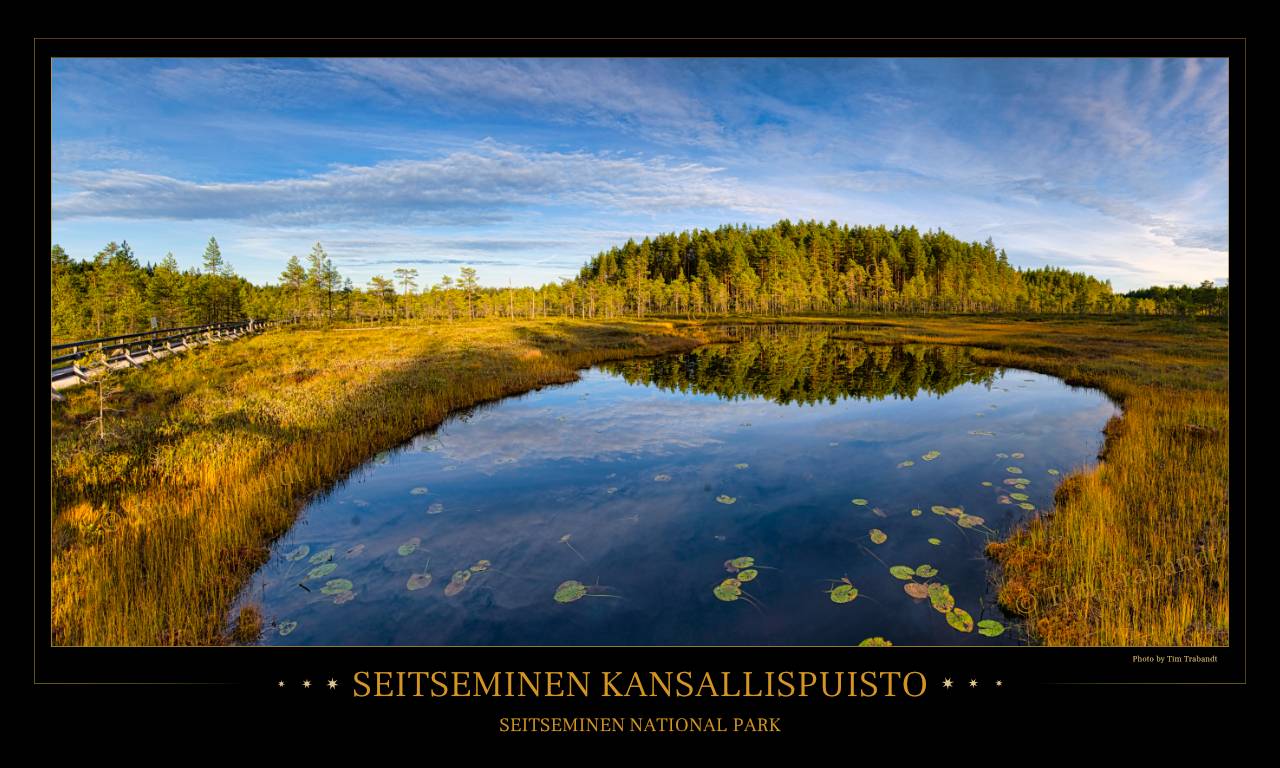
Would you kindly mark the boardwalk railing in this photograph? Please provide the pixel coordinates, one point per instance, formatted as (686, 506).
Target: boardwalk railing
(134, 349)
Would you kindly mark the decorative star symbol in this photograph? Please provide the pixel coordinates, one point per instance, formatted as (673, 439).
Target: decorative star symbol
(946, 683)
(999, 683)
(973, 683)
(306, 683)
(280, 684)
(333, 684)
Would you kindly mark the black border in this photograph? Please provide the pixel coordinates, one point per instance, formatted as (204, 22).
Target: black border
(173, 679)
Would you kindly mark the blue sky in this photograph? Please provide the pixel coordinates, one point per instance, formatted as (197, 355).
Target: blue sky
(526, 168)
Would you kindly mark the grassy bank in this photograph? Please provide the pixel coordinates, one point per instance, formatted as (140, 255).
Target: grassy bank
(157, 528)
(1135, 551)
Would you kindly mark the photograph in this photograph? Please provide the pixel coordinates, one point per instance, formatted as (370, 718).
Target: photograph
(690, 370)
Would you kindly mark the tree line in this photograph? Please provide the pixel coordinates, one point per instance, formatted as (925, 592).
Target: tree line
(785, 268)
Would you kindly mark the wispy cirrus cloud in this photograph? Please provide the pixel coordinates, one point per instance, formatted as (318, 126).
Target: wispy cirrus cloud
(482, 184)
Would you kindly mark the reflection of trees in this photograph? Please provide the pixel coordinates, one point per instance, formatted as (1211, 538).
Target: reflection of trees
(802, 365)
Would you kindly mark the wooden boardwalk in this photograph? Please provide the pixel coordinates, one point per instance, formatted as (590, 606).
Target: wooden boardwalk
(136, 349)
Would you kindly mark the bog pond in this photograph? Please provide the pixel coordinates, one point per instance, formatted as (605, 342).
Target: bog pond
(797, 487)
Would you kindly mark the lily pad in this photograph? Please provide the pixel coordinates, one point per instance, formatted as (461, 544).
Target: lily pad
(986, 484)
(748, 575)
(1002, 455)
(926, 571)
(742, 562)
(1053, 472)
(935, 541)
(960, 620)
(1018, 455)
(459, 580)
(743, 465)
(990, 628)
(436, 508)
(287, 627)
(322, 570)
(1019, 496)
(725, 592)
(917, 512)
(481, 566)
(878, 536)
(1004, 499)
(724, 499)
(940, 598)
(345, 596)
(569, 591)
(860, 502)
(875, 642)
(662, 478)
(1027, 506)
(905, 464)
(419, 491)
(1013, 470)
(938, 509)
(418, 581)
(916, 590)
(844, 593)
(931, 455)
(970, 521)
(903, 572)
(334, 586)
(323, 556)
(298, 553)
(409, 547)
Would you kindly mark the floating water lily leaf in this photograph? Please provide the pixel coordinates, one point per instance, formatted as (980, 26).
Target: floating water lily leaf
(732, 582)
(662, 478)
(1027, 506)
(611, 490)
(287, 627)
(931, 455)
(1004, 499)
(334, 586)
(1019, 496)
(323, 556)
(916, 590)
(459, 580)
(725, 592)
(926, 571)
(903, 572)
(907, 463)
(724, 499)
(970, 521)
(409, 547)
(298, 553)
(935, 542)
(748, 575)
(1014, 481)
(959, 619)
(345, 596)
(322, 570)
(956, 512)
(570, 591)
(418, 581)
(940, 598)
(1018, 455)
(1002, 455)
(860, 502)
(742, 562)
(878, 536)
(843, 594)
(938, 509)
(1013, 470)
(741, 466)
(874, 642)
(986, 484)
(917, 512)
(435, 508)
(1053, 472)
(419, 491)
(481, 566)
(990, 628)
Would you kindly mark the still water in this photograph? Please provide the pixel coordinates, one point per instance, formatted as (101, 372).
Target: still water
(614, 510)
